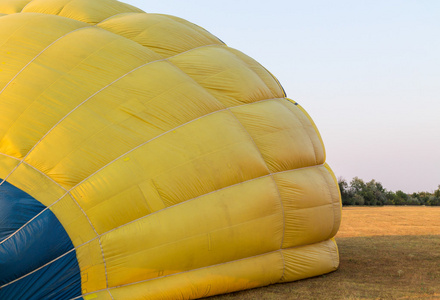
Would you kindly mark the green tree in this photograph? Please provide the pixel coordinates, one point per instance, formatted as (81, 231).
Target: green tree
(412, 201)
(391, 198)
(437, 192)
(358, 199)
(357, 185)
(346, 197)
(433, 201)
(401, 198)
(374, 193)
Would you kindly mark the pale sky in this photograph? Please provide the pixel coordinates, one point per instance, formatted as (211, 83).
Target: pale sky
(367, 71)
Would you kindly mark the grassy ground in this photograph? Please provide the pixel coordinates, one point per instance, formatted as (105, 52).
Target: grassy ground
(385, 253)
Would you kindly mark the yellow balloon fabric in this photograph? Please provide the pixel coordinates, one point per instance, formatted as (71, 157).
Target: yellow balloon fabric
(176, 165)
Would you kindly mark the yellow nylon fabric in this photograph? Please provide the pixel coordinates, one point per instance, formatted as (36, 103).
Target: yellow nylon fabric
(12, 7)
(176, 164)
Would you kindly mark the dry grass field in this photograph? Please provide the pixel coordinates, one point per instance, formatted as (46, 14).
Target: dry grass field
(385, 253)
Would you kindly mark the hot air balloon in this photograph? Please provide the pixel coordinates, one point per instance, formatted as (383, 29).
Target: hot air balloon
(142, 158)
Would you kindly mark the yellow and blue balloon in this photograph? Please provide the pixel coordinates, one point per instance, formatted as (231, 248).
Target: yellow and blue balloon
(142, 158)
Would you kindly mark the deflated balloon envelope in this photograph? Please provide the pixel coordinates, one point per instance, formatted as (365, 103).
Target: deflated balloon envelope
(142, 158)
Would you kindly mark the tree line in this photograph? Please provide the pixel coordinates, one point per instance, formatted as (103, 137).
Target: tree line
(372, 193)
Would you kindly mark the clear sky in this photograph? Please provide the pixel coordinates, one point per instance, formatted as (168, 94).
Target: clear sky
(367, 71)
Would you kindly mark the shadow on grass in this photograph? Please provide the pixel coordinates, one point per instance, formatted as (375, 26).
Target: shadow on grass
(380, 267)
